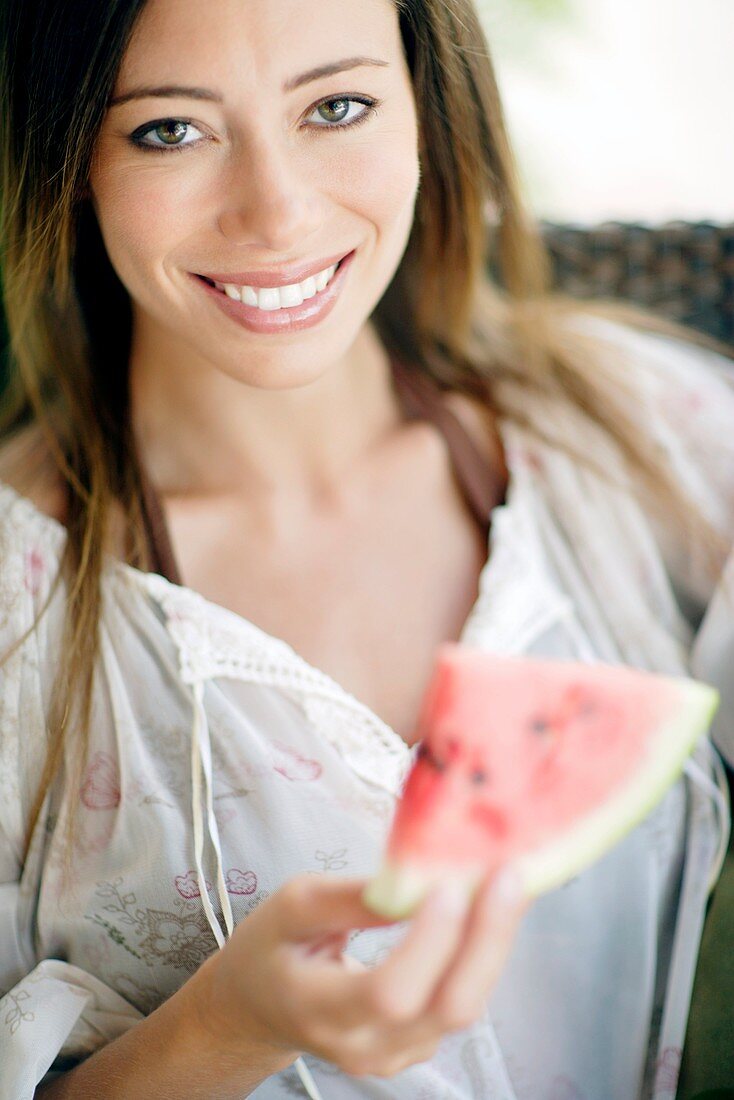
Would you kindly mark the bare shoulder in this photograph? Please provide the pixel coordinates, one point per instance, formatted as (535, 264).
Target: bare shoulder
(26, 465)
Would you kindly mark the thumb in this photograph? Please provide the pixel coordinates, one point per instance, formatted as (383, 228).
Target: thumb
(314, 905)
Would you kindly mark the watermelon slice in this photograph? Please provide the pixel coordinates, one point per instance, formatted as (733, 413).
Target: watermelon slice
(544, 764)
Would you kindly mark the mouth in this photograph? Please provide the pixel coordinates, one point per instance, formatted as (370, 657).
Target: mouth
(283, 296)
(281, 308)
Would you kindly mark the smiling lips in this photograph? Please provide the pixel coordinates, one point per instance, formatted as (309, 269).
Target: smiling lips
(278, 300)
(279, 288)
(279, 297)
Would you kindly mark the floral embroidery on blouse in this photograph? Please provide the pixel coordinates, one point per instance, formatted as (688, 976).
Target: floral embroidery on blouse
(16, 1015)
(333, 861)
(180, 939)
(101, 786)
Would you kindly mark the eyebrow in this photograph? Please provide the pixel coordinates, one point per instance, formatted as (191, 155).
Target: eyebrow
(169, 91)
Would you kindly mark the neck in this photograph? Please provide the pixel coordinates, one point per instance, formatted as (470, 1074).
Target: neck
(203, 432)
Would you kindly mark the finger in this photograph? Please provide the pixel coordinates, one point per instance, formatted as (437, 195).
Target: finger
(312, 906)
(461, 995)
(410, 1001)
(402, 985)
(365, 1000)
(377, 1061)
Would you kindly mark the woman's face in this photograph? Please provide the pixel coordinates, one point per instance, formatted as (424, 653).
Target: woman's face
(227, 158)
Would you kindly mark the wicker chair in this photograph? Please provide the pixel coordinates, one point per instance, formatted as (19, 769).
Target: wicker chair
(684, 271)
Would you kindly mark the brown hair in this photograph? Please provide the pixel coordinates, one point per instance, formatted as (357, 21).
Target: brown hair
(58, 65)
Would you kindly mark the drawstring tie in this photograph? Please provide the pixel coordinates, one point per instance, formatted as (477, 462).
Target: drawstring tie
(718, 791)
(201, 760)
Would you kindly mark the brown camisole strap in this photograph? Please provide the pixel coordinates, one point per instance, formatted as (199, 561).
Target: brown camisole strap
(161, 558)
(482, 484)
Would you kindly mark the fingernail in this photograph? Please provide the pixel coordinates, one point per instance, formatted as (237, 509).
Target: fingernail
(449, 899)
(507, 889)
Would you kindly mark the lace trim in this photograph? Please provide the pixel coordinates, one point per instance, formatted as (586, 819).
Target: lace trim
(213, 642)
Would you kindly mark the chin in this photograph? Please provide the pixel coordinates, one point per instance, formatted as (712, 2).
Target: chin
(283, 368)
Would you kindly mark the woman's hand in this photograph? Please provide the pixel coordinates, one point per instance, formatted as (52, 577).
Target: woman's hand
(283, 981)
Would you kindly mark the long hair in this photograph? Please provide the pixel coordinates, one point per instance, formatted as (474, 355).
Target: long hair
(442, 314)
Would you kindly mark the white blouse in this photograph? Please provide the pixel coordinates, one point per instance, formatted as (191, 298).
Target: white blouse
(222, 764)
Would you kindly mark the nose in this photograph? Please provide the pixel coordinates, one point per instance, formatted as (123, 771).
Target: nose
(268, 203)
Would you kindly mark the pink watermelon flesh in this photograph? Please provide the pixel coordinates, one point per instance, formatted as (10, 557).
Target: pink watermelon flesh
(518, 756)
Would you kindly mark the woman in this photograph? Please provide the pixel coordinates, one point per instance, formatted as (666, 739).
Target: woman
(270, 439)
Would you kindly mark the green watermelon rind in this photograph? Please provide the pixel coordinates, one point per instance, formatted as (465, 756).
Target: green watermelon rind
(399, 887)
(666, 755)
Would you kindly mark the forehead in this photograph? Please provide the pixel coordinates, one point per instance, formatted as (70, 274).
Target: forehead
(255, 42)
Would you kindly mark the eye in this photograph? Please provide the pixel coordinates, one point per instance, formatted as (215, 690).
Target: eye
(342, 111)
(171, 133)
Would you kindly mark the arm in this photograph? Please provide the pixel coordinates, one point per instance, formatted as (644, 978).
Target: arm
(171, 1054)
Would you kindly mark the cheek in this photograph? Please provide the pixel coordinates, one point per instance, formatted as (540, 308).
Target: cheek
(387, 192)
(379, 180)
(144, 212)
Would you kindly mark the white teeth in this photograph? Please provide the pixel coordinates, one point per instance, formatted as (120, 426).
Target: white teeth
(281, 297)
(268, 298)
(291, 295)
(308, 286)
